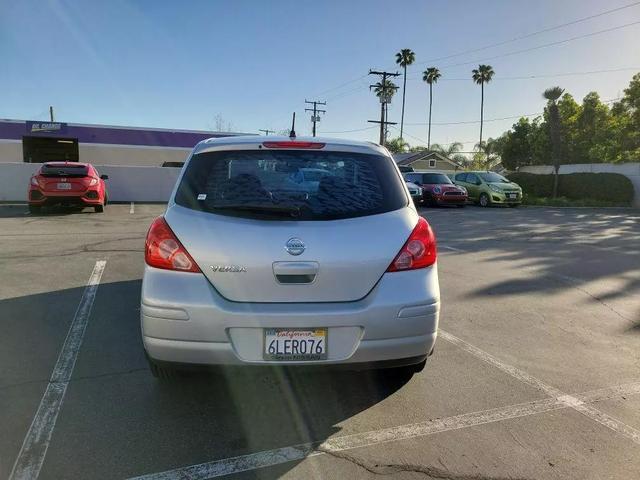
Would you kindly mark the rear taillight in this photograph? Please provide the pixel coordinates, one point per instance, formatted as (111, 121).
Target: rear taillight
(294, 144)
(164, 250)
(418, 252)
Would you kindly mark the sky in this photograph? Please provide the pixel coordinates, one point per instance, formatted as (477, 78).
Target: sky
(181, 64)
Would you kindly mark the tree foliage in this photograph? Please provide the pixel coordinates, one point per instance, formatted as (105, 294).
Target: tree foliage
(587, 132)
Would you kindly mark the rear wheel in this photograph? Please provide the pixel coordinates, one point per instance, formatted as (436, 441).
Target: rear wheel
(34, 209)
(484, 200)
(99, 208)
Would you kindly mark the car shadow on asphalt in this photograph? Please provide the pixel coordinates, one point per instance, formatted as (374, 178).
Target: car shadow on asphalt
(557, 250)
(22, 211)
(114, 408)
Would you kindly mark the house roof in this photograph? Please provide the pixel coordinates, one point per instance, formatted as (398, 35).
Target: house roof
(411, 157)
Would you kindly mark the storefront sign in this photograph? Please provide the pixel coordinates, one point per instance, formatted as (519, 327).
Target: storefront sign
(46, 127)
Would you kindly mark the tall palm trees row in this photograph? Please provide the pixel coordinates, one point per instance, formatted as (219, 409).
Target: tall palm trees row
(405, 57)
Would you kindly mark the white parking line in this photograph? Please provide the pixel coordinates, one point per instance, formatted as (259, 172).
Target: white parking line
(35, 444)
(570, 401)
(131, 209)
(268, 458)
(451, 248)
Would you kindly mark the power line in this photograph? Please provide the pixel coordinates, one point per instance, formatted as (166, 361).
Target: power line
(504, 42)
(532, 34)
(552, 75)
(351, 131)
(315, 111)
(266, 131)
(545, 45)
(467, 122)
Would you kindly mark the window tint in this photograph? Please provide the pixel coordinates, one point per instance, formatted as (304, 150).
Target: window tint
(64, 171)
(284, 184)
(472, 178)
(461, 177)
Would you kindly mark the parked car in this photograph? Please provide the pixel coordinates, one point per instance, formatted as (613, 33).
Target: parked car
(405, 168)
(67, 183)
(438, 189)
(308, 178)
(487, 188)
(240, 273)
(415, 191)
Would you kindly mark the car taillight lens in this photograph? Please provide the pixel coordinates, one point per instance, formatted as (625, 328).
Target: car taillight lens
(419, 251)
(164, 250)
(94, 181)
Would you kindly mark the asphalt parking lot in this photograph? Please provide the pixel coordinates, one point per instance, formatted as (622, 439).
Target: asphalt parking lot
(536, 373)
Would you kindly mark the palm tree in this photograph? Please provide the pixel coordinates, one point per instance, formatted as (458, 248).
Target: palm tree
(483, 74)
(385, 92)
(431, 76)
(404, 58)
(452, 151)
(552, 95)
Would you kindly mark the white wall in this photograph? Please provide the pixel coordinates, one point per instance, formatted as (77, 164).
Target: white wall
(125, 184)
(629, 170)
(105, 154)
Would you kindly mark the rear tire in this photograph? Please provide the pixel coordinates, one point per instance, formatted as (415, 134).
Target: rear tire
(99, 208)
(35, 209)
(484, 200)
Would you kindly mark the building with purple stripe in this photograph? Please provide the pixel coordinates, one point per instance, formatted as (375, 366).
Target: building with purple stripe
(39, 141)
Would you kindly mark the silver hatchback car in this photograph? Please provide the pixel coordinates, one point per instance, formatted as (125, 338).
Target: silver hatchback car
(244, 269)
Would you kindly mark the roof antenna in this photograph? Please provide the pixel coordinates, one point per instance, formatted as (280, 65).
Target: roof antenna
(292, 133)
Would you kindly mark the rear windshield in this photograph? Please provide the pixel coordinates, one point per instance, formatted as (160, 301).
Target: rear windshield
(291, 184)
(65, 171)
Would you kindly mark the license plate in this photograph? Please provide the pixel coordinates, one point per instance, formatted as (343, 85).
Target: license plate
(63, 186)
(295, 344)
(513, 195)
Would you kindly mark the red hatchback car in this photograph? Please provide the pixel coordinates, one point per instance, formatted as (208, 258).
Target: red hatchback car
(67, 183)
(438, 189)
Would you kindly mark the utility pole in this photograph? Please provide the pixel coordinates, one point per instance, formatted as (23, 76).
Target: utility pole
(385, 98)
(315, 117)
(266, 131)
(51, 113)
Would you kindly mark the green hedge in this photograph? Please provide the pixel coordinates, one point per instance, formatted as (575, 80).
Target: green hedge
(611, 187)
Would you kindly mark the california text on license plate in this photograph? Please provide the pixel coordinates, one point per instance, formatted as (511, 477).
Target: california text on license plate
(295, 344)
(63, 186)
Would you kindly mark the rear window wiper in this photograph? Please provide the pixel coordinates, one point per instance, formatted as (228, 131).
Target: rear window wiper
(288, 209)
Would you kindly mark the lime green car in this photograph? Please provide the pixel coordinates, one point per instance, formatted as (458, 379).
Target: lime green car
(489, 188)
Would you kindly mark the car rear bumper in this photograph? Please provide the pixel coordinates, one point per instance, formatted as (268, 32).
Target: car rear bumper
(501, 198)
(184, 320)
(41, 198)
(451, 199)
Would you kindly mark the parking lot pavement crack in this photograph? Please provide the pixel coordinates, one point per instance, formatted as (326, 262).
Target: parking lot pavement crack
(395, 468)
